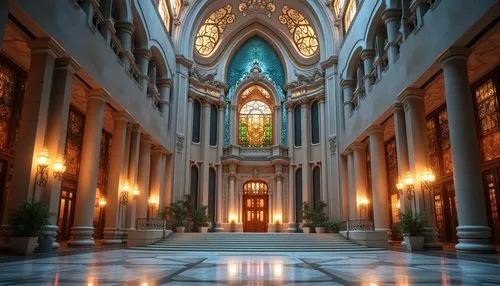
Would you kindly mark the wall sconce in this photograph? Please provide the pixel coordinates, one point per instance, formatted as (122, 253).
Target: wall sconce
(102, 202)
(59, 169)
(363, 208)
(427, 179)
(42, 168)
(232, 217)
(124, 194)
(407, 186)
(153, 204)
(277, 218)
(135, 192)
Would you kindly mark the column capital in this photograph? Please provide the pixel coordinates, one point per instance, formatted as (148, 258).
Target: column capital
(164, 82)
(135, 127)
(158, 150)
(124, 26)
(367, 54)
(206, 104)
(391, 15)
(347, 83)
(98, 94)
(411, 93)
(146, 138)
(376, 129)
(46, 45)
(143, 53)
(67, 63)
(453, 53)
(121, 116)
(397, 106)
(357, 146)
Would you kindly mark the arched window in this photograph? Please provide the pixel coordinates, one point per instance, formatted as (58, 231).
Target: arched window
(196, 121)
(350, 12)
(338, 5)
(298, 195)
(255, 188)
(304, 35)
(210, 32)
(316, 185)
(176, 7)
(164, 13)
(213, 125)
(297, 126)
(255, 118)
(212, 184)
(194, 184)
(315, 122)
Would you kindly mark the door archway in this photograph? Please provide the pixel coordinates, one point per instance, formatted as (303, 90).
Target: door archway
(255, 206)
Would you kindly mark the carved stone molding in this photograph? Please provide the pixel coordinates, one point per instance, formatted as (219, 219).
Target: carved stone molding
(180, 143)
(333, 145)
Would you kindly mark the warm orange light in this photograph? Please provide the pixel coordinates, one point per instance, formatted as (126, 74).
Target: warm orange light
(126, 187)
(363, 202)
(102, 202)
(277, 218)
(428, 176)
(408, 180)
(400, 186)
(135, 191)
(153, 201)
(398, 205)
(43, 158)
(232, 217)
(59, 167)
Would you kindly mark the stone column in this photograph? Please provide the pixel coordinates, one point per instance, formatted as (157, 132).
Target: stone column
(368, 56)
(142, 57)
(277, 125)
(348, 88)
(220, 144)
(124, 32)
(380, 190)
(168, 179)
(83, 225)
(291, 199)
(306, 142)
(4, 17)
(473, 231)
(232, 213)
(344, 177)
(405, 19)
(278, 211)
(163, 183)
(164, 86)
(157, 175)
(55, 134)
(205, 145)
(233, 125)
(401, 150)
(144, 176)
(416, 135)
(112, 232)
(32, 124)
(189, 133)
(392, 20)
(353, 203)
(325, 190)
(133, 172)
(360, 174)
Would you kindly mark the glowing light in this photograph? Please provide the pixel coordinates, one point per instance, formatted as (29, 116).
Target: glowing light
(43, 159)
(209, 34)
(363, 202)
(232, 217)
(233, 269)
(135, 191)
(153, 201)
(126, 187)
(102, 202)
(428, 176)
(408, 180)
(277, 218)
(400, 186)
(304, 35)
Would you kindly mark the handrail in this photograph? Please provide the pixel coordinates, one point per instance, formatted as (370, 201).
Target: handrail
(356, 225)
(150, 224)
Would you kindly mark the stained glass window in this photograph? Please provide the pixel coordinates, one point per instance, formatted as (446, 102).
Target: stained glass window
(256, 124)
(247, 6)
(209, 33)
(304, 36)
(74, 141)
(438, 140)
(102, 176)
(487, 109)
(195, 131)
(8, 82)
(352, 8)
(164, 13)
(176, 7)
(432, 141)
(255, 188)
(444, 132)
(337, 7)
(255, 90)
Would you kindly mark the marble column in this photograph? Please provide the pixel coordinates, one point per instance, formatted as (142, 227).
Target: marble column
(353, 203)
(233, 132)
(344, 180)
(144, 176)
(367, 56)
(306, 140)
(163, 182)
(348, 89)
(164, 86)
(473, 231)
(277, 125)
(401, 150)
(360, 176)
(380, 189)
(142, 57)
(232, 212)
(325, 190)
(189, 133)
(168, 179)
(291, 199)
(205, 145)
(157, 175)
(278, 210)
(133, 173)
(416, 135)
(4, 17)
(219, 205)
(124, 32)
(32, 125)
(83, 225)
(55, 134)
(112, 231)
(392, 20)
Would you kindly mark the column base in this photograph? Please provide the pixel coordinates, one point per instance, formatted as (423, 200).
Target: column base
(474, 239)
(218, 227)
(112, 236)
(52, 230)
(81, 236)
(292, 227)
(431, 238)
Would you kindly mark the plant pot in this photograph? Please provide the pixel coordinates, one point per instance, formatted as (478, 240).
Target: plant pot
(306, 229)
(204, 229)
(414, 243)
(180, 229)
(319, 229)
(23, 245)
(45, 243)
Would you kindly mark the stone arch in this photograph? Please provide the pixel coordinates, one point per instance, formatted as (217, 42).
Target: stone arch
(121, 10)
(353, 62)
(374, 26)
(160, 61)
(139, 36)
(266, 84)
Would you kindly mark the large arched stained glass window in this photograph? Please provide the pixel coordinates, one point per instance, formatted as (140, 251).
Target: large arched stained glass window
(164, 13)
(256, 124)
(304, 36)
(350, 12)
(209, 33)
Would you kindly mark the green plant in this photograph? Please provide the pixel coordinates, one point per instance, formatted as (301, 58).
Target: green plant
(29, 218)
(318, 215)
(411, 224)
(307, 214)
(333, 226)
(200, 218)
(177, 213)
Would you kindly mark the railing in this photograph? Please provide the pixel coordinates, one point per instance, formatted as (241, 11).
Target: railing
(356, 225)
(150, 224)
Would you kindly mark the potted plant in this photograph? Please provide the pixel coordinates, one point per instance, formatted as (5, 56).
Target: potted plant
(178, 213)
(411, 227)
(306, 217)
(333, 226)
(318, 217)
(201, 219)
(277, 226)
(27, 222)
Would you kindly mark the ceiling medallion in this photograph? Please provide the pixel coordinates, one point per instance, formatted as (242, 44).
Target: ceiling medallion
(248, 6)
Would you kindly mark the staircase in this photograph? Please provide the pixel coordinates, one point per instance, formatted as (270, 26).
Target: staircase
(256, 242)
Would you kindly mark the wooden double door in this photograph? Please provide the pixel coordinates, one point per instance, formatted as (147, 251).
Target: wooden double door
(255, 213)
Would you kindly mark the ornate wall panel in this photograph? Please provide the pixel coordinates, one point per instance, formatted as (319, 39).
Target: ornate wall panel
(74, 141)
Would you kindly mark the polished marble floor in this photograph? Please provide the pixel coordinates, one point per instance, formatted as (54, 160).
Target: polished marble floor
(128, 267)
